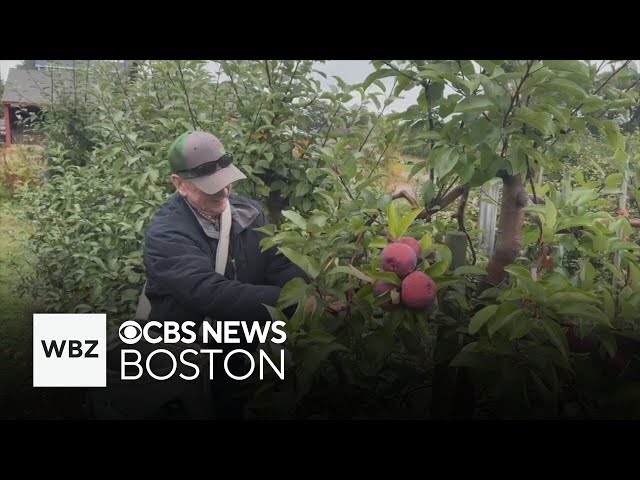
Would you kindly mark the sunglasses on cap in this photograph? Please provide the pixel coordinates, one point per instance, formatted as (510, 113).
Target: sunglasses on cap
(207, 168)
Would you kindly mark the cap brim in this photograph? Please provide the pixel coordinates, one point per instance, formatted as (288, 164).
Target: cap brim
(218, 180)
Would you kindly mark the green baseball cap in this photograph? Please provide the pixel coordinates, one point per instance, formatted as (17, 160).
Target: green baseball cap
(200, 158)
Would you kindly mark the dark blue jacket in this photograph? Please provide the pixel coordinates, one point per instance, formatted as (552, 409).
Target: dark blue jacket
(180, 265)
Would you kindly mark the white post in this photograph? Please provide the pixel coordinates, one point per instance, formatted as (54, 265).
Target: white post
(488, 215)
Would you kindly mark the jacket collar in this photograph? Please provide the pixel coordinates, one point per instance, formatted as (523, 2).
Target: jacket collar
(243, 215)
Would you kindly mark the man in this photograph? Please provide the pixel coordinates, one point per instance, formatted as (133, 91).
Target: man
(202, 254)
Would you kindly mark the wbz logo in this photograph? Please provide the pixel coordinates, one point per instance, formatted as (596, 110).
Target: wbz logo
(74, 348)
(69, 350)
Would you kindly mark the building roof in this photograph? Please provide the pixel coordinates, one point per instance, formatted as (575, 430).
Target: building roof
(35, 86)
(41, 84)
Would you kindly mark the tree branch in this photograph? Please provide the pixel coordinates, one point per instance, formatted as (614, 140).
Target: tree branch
(266, 67)
(517, 93)
(378, 162)
(407, 196)
(632, 85)
(377, 119)
(413, 79)
(194, 119)
(330, 125)
(335, 169)
(443, 203)
(460, 217)
(295, 70)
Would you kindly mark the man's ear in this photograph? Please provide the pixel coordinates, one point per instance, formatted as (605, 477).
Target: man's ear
(179, 184)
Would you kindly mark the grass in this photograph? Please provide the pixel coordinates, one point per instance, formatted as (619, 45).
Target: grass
(18, 398)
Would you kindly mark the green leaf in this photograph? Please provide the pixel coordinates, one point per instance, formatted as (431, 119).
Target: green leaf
(503, 311)
(487, 65)
(615, 138)
(310, 265)
(575, 66)
(428, 192)
(571, 222)
(614, 180)
(294, 291)
(609, 304)
(446, 281)
(297, 319)
(416, 169)
(518, 161)
(521, 325)
(393, 219)
(541, 121)
(426, 242)
(443, 159)
(485, 132)
(444, 255)
(296, 218)
(567, 298)
(481, 317)
(617, 273)
(577, 124)
(378, 242)
(506, 320)
(582, 196)
(385, 201)
(556, 335)
(404, 223)
(587, 274)
(269, 229)
(448, 105)
(276, 314)
(390, 277)
(518, 272)
(621, 157)
(475, 103)
(470, 270)
(634, 276)
(362, 276)
(422, 100)
(584, 312)
(550, 217)
(565, 86)
(437, 269)
(470, 356)
(349, 168)
(378, 74)
(99, 262)
(340, 269)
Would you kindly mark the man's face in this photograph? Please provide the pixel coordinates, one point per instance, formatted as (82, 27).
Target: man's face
(213, 204)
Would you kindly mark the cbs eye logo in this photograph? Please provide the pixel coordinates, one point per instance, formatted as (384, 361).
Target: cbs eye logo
(130, 332)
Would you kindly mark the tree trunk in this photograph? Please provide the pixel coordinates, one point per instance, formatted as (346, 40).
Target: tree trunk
(510, 228)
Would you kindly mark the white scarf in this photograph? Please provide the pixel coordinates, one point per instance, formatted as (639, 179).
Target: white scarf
(222, 252)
